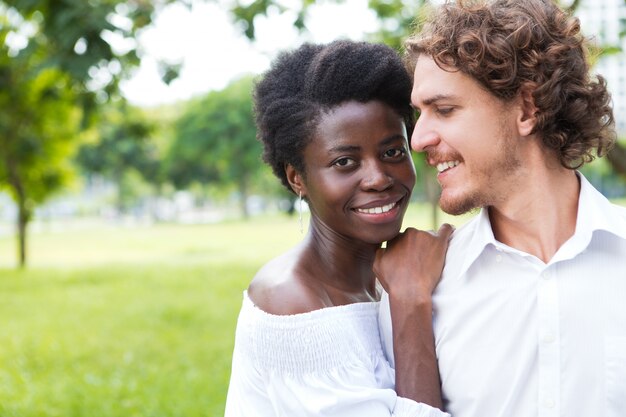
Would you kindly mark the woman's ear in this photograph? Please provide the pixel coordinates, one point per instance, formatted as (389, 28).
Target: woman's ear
(295, 180)
(527, 119)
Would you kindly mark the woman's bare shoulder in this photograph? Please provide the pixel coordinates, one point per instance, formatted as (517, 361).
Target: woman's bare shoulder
(281, 287)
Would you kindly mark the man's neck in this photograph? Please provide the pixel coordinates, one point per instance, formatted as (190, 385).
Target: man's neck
(540, 216)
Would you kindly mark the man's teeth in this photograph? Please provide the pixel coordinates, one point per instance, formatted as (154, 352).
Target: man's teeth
(377, 210)
(443, 166)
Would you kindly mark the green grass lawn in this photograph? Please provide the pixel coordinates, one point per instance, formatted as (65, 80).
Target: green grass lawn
(112, 321)
(127, 322)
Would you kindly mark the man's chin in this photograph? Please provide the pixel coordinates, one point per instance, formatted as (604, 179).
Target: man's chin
(457, 207)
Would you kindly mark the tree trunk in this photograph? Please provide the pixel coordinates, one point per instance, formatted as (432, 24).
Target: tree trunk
(158, 193)
(432, 193)
(243, 197)
(118, 180)
(23, 216)
(617, 159)
(22, 221)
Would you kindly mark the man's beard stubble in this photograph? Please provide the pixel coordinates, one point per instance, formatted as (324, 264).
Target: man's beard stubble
(491, 178)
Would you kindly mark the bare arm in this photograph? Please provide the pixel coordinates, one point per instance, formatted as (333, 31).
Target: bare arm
(409, 270)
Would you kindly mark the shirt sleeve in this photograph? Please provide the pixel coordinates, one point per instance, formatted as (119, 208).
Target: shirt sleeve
(325, 370)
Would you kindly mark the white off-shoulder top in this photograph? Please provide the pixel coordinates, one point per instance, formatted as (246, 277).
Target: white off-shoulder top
(327, 362)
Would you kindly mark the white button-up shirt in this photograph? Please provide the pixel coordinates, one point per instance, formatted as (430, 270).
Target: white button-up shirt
(517, 337)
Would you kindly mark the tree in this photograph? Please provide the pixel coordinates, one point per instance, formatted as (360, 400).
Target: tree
(397, 17)
(38, 120)
(214, 141)
(124, 144)
(58, 63)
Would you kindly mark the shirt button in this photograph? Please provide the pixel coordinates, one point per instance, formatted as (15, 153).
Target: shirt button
(548, 403)
(545, 275)
(498, 258)
(548, 338)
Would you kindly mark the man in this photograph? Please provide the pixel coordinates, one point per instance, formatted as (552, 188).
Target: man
(530, 313)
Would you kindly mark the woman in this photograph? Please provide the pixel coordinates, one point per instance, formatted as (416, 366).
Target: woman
(333, 120)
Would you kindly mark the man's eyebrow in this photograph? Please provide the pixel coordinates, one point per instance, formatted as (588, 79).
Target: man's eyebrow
(438, 97)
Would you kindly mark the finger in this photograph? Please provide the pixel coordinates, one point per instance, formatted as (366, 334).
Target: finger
(446, 230)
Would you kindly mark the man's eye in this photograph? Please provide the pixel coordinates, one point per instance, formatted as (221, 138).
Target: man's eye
(445, 110)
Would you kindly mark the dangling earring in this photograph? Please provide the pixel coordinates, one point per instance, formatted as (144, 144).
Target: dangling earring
(300, 211)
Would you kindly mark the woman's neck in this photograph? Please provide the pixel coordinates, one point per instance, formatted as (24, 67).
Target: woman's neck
(342, 266)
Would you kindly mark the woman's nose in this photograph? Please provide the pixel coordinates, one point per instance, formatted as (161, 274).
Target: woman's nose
(376, 178)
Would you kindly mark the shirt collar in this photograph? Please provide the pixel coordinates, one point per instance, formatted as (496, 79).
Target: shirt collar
(595, 212)
(481, 237)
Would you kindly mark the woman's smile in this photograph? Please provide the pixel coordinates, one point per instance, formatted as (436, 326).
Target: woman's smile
(381, 212)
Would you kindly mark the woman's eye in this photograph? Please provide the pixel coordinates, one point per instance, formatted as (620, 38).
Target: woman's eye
(344, 162)
(395, 153)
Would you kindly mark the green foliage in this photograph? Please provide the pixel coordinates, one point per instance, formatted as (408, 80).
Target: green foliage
(77, 37)
(398, 19)
(58, 63)
(123, 142)
(124, 149)
(215, 141)
(38, 121)
(246, 13)
(37, 126)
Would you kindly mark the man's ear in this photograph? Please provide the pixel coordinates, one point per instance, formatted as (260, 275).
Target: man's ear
(527, 119)
(295, 180)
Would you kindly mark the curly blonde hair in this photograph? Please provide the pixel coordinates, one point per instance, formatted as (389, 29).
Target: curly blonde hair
(511, 45)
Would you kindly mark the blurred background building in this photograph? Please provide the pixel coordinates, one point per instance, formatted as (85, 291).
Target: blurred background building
(606, 20)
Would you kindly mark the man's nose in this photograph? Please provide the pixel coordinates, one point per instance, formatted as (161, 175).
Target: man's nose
(424, 135)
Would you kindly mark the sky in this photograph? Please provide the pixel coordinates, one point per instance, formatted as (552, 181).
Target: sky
(214, 52)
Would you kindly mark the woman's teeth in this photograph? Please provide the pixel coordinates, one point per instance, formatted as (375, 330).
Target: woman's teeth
(377, 210)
